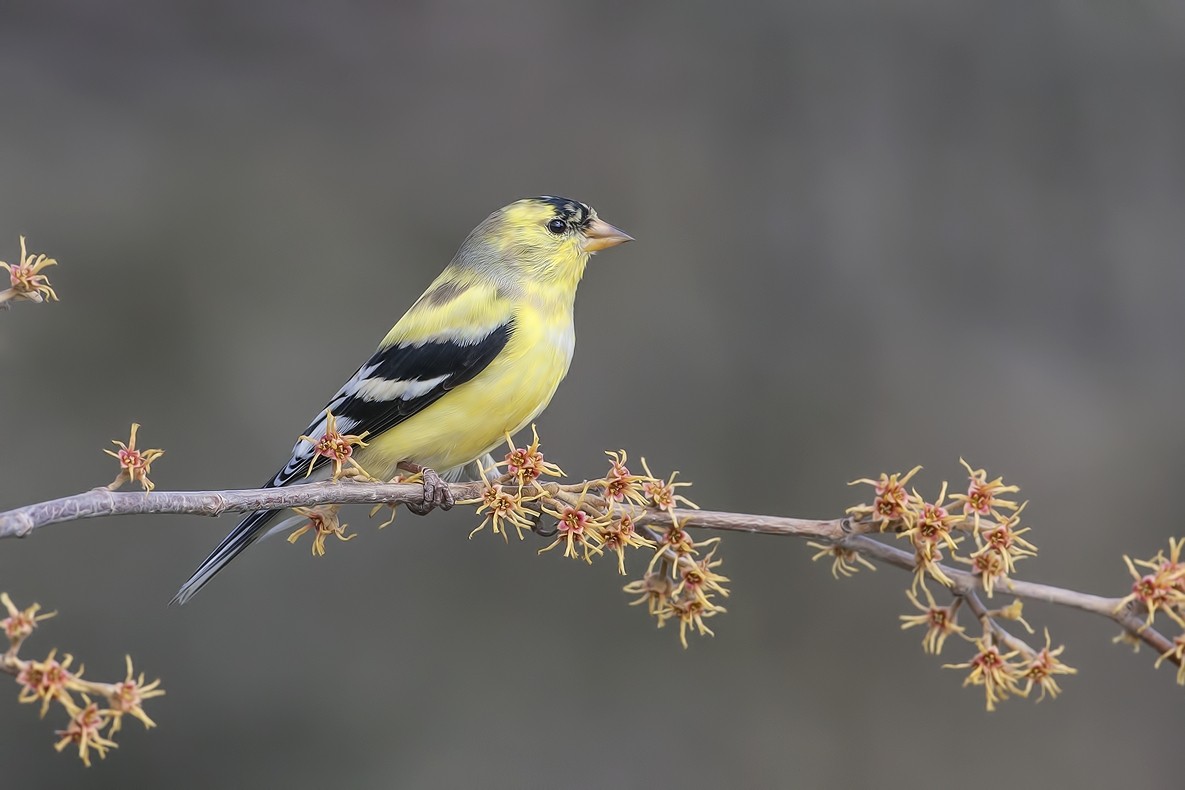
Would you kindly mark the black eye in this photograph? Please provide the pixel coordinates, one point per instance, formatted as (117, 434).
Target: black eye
(557, 226)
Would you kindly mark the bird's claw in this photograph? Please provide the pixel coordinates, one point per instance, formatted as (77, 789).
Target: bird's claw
(436, 494)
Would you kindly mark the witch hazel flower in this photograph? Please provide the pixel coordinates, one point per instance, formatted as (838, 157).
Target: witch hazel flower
(47, 680)
(932, 523)
(323, 520)
(655, 589)
(994, 671)
(134, 464)
(691, 611)
(85, 730)
(1004, 539)
(127, 696)
(20, 623)
(1156, 591)
(620, 534)
(26, 280)
(338, 448)
(526, 464)
(1041, 670)
(620, 485)
(988, 564)
(676, 543)
(576, 527)
(502, 507)
(983, 497)
(891, 504)
(699, 579)
(662, 493)
(843, 559)
(939, 621)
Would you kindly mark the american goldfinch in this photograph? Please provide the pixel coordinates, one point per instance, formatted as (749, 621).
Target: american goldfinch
(478, 356)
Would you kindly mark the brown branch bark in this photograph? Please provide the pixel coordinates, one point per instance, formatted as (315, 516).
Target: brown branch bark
(841, 531)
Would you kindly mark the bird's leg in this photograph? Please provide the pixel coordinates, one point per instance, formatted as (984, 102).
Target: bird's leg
(436, 491)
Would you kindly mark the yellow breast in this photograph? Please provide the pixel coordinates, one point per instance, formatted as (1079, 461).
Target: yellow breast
(472, 419)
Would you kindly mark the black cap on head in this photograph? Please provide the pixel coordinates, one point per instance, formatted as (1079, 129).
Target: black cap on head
(571, 211)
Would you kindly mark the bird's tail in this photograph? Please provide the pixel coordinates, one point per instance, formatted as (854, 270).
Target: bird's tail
(246, 533)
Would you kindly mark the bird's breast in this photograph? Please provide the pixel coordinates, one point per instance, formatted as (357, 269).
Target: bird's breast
(472, 419)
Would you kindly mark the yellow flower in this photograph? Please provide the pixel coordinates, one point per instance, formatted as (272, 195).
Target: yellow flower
(1005, 540)
(1127, 638)
(619, 534)
(134, 464)
(501, 506)
(939, 621)
(126, 697)
(980, 499)
(926, 558)
(931, 523)
(323, 519)
(1014, 611)
(577, 527)
(46, 681)
(843, 559)
(1157, 590)
(1042, 667)
(661, 493)
(526, 464)
(620, 485)
(994, 672)
(988, 565)
(84, 730)
(691, 611)
(655, 591)
(338, 448)
(891, 503)
(697, 578)
(18, 625)
(26, 279)
(676, 541)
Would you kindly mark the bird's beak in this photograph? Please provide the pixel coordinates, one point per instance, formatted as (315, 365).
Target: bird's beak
(600, 235)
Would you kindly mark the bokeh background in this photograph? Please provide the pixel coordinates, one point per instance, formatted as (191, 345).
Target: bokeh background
(870, 235)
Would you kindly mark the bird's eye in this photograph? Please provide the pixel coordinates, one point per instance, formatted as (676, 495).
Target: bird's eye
(557, 226)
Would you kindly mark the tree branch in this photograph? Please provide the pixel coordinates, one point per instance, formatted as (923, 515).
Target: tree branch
(102, 502)
(845, 532)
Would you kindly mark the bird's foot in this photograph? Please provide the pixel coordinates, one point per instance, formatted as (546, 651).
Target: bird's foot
(436, 492)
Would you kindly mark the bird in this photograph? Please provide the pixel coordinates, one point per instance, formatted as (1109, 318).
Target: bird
(476, 358)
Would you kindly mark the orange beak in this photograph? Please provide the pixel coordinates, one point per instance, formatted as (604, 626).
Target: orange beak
(600, 235)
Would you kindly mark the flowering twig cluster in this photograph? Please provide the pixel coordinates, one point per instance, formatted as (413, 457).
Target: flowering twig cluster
(1003, 664)
(590, 519)
(980, 530)
(26, 280)
(605, 515)
(51, 681)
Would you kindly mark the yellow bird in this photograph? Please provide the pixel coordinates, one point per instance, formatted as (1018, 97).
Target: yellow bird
(478, 356)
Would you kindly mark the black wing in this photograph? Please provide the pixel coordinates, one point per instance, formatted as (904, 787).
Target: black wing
(395, 383)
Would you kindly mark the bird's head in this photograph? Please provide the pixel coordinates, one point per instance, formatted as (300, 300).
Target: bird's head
(544, 239)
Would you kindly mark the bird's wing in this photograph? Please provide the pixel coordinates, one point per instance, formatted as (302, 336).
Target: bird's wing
(446, 339)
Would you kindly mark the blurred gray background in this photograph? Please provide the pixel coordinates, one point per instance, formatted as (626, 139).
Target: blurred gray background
(870, 235)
